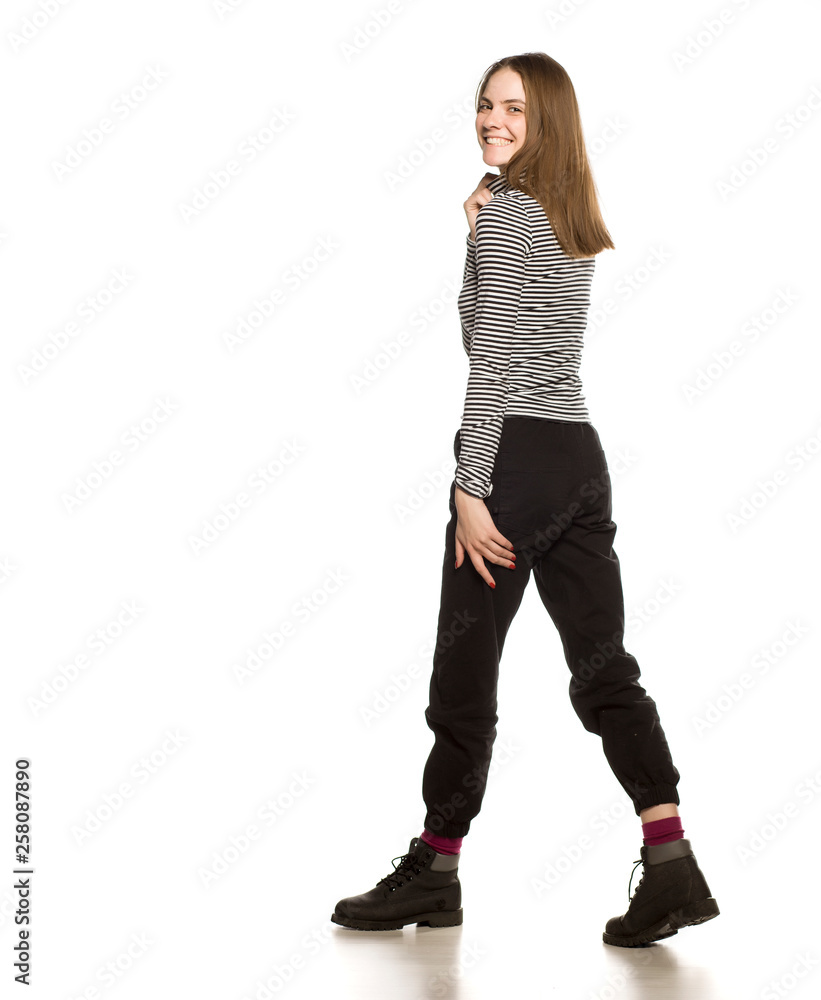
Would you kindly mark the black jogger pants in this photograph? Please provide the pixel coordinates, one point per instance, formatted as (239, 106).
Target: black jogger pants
(551, 497)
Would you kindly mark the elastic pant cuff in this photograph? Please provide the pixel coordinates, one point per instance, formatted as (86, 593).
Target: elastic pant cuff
(655, 796)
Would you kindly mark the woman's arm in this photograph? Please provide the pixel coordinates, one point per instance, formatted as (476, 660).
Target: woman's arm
(474, 203)
(503, 241)
(467, 295)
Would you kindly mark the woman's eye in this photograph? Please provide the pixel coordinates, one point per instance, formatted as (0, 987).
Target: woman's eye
(483, 106)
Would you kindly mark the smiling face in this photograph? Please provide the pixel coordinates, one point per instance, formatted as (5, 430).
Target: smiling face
(500, 121)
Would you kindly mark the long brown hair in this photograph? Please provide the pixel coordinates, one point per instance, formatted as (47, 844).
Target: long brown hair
(552, 165)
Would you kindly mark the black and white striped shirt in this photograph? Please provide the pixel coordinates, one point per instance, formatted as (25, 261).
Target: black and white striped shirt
(523, 309)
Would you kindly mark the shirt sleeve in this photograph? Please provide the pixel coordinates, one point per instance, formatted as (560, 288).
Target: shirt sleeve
(467, 296)
(503, 242)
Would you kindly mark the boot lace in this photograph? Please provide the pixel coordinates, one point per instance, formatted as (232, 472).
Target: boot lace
(641, 879)
(408, 867)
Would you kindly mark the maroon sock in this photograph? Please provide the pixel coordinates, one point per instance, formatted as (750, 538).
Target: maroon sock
(660, 831)
(443, 845)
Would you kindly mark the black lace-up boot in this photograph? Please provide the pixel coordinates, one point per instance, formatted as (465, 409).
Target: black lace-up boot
(423, 888)
(671, 893)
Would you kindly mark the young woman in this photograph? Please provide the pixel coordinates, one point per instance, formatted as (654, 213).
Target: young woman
(531, 493)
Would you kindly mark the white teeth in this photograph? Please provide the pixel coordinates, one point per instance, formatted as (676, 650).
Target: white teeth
(498, 142)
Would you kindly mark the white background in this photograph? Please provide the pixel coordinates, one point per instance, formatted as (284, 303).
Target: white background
(375, 152)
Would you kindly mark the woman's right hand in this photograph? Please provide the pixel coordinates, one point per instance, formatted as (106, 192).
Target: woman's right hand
(481, 196)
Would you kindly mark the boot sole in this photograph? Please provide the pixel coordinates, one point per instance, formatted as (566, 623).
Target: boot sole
(685, 916)
(445, 918)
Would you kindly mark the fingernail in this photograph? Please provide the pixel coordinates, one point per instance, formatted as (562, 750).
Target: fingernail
(492, 584)
(512, 566)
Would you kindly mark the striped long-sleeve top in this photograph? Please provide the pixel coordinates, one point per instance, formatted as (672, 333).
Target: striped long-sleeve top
(523, 310)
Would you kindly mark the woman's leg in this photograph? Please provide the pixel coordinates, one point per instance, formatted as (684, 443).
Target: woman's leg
(579, 581)
(472, 626)
(663, 811)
